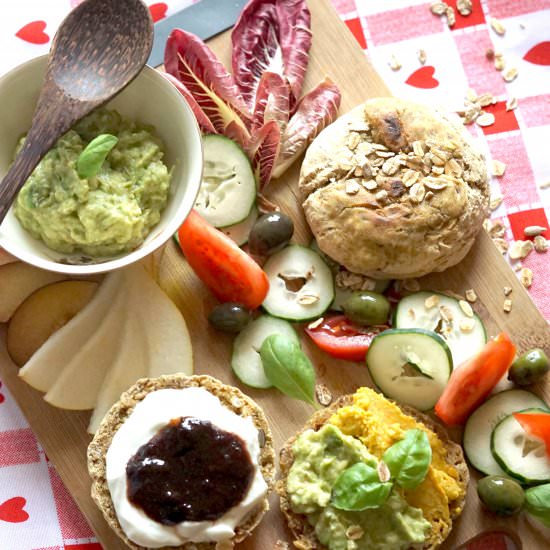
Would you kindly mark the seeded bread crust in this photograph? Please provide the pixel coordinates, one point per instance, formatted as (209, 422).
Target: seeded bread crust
(304, 533)
(375, 200)
(230, 397)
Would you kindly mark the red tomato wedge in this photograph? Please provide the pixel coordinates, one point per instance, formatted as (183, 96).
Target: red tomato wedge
(536, 425)
(472, 382)
(342, 339)
(231, 274)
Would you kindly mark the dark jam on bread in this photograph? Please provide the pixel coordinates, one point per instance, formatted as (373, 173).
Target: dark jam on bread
(189, 471)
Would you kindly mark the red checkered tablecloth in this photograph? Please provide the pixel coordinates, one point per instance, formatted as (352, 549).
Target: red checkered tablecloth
(36, 511)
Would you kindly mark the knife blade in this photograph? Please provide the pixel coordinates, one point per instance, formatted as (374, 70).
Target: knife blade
(206, 19)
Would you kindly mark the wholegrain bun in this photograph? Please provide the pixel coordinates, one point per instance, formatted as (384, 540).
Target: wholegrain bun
(304, 533)
(230, 397)
(373, 196)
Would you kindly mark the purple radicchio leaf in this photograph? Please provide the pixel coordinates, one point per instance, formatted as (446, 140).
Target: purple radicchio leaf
(193, 63)
(204, 122)
(272, 101)
(314, 111)
(263, 150)
(275, 36)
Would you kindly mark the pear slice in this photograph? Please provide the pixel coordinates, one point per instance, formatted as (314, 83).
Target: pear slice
(44, 312)
(44, 367)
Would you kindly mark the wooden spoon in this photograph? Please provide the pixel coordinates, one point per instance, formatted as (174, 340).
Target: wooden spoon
(100, 47)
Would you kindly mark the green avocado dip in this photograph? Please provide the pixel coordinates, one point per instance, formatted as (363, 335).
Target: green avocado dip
(319, 459)
(108, 213)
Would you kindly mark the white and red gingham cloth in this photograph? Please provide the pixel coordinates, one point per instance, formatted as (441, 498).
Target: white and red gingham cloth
(36, 511)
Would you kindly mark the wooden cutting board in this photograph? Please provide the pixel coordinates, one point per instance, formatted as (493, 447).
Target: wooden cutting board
(63, 433)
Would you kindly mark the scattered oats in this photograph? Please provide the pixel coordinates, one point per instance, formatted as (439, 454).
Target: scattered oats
(490, 54)
(431, 301)
(353, 141)
(497, 229)
(316, 323)
(471, 113)
(308, 298)
(352, 187)
(354, 532)
(446, 314)
(411, 285)
(520, 249)
(384, 474)
(486, 119)
(541, 244)
(495, 202)
(507, 306)
(418, 148)
(526, 277)
(510, 74)
(394, 63)
(486, 99)
(501, 244)
(497, 26)
(544, 185)
(464, 7)
(466, 324)
(391, 166)
(534, 230)
(410, 177)
(438, 8)
(367, 170)
(511, 104)
(466, 308)
(370, 185)
(428, 196)
(498, 168)
(378, 147)
(236, 402)
(451, 16)
(434, 184)
(376, 163)
(411, 314)
(281, 545)
(471, 295)
(381, 195)
(517, 266)
(323, 395)
(471, 95)
(453, 168)
(422, 56)
(385, 154)
(499, 62)
(507, 290)
(417, 192)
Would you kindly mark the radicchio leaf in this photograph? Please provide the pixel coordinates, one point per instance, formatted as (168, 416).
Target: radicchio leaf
(193, 63)
(204, 122)
(314, 111)
(263, 151)
(272, 101)
(275, 36)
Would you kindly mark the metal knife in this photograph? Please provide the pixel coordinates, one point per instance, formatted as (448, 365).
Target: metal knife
(206, 19)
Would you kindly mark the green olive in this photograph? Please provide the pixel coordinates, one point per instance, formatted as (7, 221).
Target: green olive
(501, 495)
(270, 233)
(529, 368)
(367, 308)
(229, 317)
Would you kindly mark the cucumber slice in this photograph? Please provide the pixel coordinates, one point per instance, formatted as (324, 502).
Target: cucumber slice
(245, 360)
(412, 313)
(299, 268)
(518, 454)
(228, 188)
(240, 231)
(476, 439)
(411, 366)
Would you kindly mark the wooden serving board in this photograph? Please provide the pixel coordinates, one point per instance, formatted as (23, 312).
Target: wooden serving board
(63, 433)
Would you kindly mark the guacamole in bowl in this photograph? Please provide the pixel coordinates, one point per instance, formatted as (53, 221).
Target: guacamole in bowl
(108, 213)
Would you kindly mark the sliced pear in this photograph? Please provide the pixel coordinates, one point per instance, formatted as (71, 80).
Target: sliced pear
(44, 367)
(6, 257)
(44, 312)
(77, 386)
(19, 280)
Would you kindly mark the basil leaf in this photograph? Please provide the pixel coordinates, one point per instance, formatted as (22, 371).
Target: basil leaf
(358, 488)
(409, 459)
(537, 503)
(287, 368)
(90, 160)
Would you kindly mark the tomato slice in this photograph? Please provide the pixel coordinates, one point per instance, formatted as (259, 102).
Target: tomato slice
(231, 274)
(342, 339)
(536, 425)
(472, 382)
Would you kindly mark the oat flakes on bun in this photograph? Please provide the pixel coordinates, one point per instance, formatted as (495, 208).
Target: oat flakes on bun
(394, 189)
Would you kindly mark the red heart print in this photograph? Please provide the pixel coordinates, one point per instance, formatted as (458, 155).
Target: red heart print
(158, 11)
(33, 33)
(539, 54)
(423, 78)
(2, 398)
(12, 510)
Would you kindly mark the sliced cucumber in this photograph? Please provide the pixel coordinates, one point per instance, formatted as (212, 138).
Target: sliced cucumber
(518, 454)
(245, 361)
(228, 188)
(477, 432)
(300, 284)
(410, 366)
(240, 231)
(411, 312)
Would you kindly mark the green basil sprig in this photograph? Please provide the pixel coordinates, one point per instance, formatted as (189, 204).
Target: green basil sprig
(359, 487)
(94, 154)
(537, 503)
(409, 459)
(288, 368)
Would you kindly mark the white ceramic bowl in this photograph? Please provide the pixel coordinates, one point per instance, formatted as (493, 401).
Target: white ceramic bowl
(149, 99)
